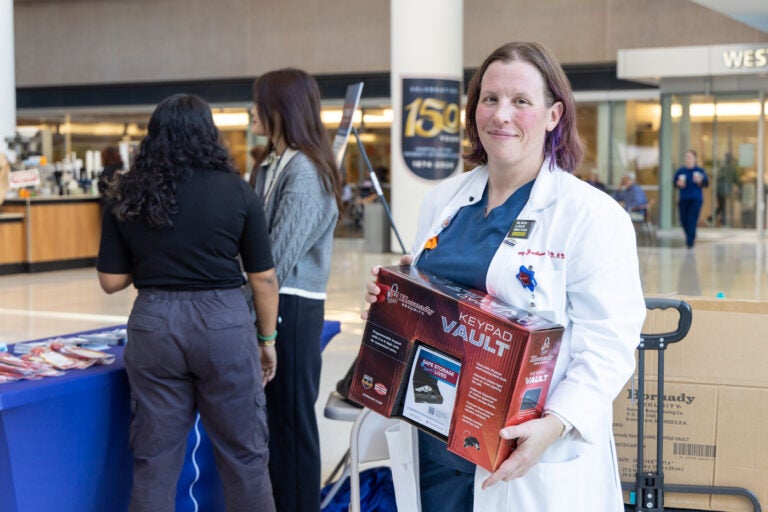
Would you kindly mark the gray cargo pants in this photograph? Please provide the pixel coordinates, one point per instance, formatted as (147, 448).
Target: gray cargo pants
(191, 351)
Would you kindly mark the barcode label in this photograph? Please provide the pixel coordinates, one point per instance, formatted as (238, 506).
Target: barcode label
(694, 450)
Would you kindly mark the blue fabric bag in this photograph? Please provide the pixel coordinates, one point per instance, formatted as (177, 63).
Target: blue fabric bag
(377, 493)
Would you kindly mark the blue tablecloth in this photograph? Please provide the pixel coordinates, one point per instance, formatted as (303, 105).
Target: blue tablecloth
(64, 444)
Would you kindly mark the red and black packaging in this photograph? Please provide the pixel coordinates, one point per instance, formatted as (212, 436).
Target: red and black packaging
(505, 356)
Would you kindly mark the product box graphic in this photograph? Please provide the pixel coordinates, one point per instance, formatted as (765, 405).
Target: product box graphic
(454, 361)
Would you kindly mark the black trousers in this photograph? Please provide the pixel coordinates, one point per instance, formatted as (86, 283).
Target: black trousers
(689, 210)
(447, 481)
(294, 442)
(191, 351)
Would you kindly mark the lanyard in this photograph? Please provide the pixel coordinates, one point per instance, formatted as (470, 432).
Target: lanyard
(273, 169)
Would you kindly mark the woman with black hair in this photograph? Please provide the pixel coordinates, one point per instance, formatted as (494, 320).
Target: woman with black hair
(176, 226)
(301, 189)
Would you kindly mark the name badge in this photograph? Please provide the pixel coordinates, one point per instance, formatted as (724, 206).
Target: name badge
(521, 229)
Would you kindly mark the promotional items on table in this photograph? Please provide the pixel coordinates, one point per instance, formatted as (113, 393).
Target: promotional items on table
(50, 358)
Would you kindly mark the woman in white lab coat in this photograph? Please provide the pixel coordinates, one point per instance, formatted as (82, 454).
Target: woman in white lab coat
(571, 258)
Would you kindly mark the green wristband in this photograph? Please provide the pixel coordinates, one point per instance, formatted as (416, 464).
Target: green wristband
(271, 337)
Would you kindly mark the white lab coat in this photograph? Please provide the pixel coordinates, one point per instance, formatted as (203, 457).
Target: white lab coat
(583, 252)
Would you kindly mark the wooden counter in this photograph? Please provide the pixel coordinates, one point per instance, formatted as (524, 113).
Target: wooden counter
(57, 232)
(11, 243)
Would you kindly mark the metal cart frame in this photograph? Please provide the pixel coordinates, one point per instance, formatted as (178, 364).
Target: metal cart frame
(647, 492)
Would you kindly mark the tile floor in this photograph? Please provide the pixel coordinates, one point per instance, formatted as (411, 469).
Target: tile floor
(46, 304)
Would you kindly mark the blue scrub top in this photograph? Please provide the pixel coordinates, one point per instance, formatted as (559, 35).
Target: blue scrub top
(463, 254)
(466, 247)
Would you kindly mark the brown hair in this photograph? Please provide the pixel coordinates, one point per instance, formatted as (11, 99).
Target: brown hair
(289, 99)
(110, 157)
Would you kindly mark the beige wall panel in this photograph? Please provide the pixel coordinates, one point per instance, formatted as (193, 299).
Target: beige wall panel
(322, 37)
(657, 23)
(101, 41)
(574, 31)
(590, 31)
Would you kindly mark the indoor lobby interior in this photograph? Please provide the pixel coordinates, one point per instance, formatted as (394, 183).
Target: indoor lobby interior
(724, 263)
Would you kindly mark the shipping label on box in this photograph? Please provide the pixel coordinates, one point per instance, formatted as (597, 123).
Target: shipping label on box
(502, 357)
(689, 437)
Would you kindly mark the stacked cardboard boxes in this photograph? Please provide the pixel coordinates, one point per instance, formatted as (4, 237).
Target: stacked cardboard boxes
(715, 408)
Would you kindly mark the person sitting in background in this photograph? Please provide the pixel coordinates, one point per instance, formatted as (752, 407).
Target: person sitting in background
(594, 180)
(632, 197)
(368, 192)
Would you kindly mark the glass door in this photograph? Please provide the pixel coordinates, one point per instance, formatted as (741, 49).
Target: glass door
(734, 166)
(723, 130)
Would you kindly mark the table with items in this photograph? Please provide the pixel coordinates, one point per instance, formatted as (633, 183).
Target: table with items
(64, 438)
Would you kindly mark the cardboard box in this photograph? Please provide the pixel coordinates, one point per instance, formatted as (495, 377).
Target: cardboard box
(716, 411)
(428, 340)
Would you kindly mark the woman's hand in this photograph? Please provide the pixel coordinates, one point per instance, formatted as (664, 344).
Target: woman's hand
(533, 438)
(268, 363)
(698, 177)
(372, 290)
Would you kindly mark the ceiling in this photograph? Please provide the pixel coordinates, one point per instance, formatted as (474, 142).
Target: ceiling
(750, 12)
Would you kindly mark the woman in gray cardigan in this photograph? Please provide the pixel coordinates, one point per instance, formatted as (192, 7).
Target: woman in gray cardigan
(301, 189)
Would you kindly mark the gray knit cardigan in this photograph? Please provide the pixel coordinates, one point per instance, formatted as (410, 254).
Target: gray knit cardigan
(301, 218)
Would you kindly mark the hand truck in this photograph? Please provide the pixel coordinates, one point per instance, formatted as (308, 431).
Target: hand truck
(647, 492)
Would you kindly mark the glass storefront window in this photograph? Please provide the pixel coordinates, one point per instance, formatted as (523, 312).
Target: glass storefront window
(723, 130)
(621, 137)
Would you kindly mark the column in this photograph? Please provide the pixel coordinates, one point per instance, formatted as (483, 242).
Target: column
(426, 83)
(604, 142)
(760, 206)
(666, 169)
(622, 152)
(7, 74)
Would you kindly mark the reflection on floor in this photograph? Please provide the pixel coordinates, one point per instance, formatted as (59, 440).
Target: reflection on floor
(727, 262)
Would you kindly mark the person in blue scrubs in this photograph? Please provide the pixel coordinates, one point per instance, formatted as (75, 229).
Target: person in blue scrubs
(690, 180)
(447, 480)
(514, 108)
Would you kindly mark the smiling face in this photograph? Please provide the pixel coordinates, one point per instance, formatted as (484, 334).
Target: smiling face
(513, 116)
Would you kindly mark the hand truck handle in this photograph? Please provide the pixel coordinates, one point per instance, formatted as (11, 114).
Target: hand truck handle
(659, 341)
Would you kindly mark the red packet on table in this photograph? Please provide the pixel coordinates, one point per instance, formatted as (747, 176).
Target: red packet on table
(83, 354)
(7, 378)
(58, 360)
(13, 366)
(41, 367)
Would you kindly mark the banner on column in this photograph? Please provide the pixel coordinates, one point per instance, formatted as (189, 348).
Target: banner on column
(431, 139)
